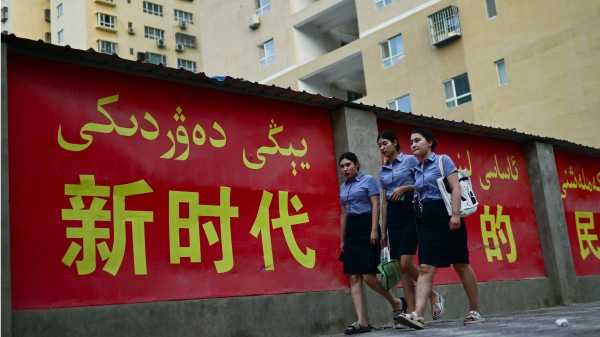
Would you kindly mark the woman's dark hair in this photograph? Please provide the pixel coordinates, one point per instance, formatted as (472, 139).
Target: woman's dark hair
(351, 157)
(391, 136)
(428, 136)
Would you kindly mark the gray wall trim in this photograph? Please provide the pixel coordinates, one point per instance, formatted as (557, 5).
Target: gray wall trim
(5, 230)
(552, 225)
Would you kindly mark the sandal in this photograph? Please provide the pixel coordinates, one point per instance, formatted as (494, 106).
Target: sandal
(355, 328)
(411, 320)
(474, 317)
(439, 307)
(404, 310)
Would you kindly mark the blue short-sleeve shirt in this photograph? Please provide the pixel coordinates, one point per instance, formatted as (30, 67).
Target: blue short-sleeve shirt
(401, 172)
(426, 180)
(356, 193)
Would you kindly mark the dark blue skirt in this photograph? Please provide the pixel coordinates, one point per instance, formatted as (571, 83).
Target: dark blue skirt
(438, 246)
(360, 257)
(402, 230)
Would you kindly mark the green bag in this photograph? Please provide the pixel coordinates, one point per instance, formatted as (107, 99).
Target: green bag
(389, 269)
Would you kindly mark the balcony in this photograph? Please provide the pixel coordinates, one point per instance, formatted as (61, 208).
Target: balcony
(444, 26)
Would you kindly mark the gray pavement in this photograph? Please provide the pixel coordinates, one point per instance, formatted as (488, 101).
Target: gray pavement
(583, 321)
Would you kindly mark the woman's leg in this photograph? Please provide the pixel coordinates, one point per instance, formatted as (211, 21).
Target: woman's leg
(410, 274)
(357, 292)
(469, 282)
(373, 283)
(424, 287)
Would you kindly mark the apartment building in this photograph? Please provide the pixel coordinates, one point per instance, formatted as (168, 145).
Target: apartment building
(529, 66)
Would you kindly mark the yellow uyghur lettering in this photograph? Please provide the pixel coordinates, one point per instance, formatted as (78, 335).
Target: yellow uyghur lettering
(496, 232)
(588, 241)
(224, 211)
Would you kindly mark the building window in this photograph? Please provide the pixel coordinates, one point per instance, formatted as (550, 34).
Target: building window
(392, 51)
(267, 52)
(379, 4)
(61, 36)
(444, 26)
(153, 33)
(490, 5)
(457, 90)
(501, 69)
(153, 9)
(400, 104)
(156, 58)
(108, 21)
(262, 6)
(183, 16)
(186, 40)
(107, 47)
(187, 65)
(59, 10)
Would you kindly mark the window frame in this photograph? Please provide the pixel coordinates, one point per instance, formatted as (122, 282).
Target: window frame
(490, 5)
(112, 23)
(61, 36)
(265, 57)
(456, 100)
(387, 47)
(397, 104)
(150, 55)
(379, 4)
(153, 33)
(152, 8)
(59, 10)
(262, 6)
(187, 40)
(102, 47)
(181, 66)
(501, 72)
(183, 17)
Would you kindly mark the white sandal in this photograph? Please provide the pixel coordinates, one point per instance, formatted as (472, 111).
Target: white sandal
(411, 320)
(474, 317)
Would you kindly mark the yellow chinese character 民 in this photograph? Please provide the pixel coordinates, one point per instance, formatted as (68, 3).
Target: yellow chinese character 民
(585, 223)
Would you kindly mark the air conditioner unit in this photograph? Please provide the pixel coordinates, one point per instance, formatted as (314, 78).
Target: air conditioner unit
(4, 14)
(160, 43)
(141, 56)
(254, 22)
(131, 30)
(180, 47)
(183, 24)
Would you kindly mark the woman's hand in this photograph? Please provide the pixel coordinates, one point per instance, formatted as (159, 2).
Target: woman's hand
(342, 246)
(374, 237)
(455, 222)
(383, 240)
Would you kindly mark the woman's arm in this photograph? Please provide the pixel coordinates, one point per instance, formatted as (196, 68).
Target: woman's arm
(455, 188)
(384, 223)
(374, 219)
(343, 227)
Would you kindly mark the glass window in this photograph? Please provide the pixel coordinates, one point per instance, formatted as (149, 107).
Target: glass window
(457, 90)
(400, 104)
(186, 40)
(107, 47)
(262, 6)
(187, 65)
(392, 51)
(183, 16)
(153, 9)
(490, 5)
(379, 4)
(157, 59)
(61, 36)
(267, 52)
(59, 10)
(153, 33)
(501, 69)
(108, 21)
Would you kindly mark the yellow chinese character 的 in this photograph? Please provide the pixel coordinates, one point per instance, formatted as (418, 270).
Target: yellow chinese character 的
(224, 211)
(262, 225)
(495, 233)
(89, 234)
(585, 223)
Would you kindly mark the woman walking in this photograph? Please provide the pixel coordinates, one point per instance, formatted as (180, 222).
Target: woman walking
(359, 198)
(442, 238)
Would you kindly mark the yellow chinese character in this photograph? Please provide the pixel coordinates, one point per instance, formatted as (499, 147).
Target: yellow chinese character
(585, 223)
(224, 211)
(285, 222)
(88, 233)
(495, 232)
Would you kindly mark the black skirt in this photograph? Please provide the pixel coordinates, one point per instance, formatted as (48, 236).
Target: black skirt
(360, 257)
(402, 230)
(438, 246)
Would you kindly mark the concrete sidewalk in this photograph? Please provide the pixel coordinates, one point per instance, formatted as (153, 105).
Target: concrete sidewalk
(583, 321)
